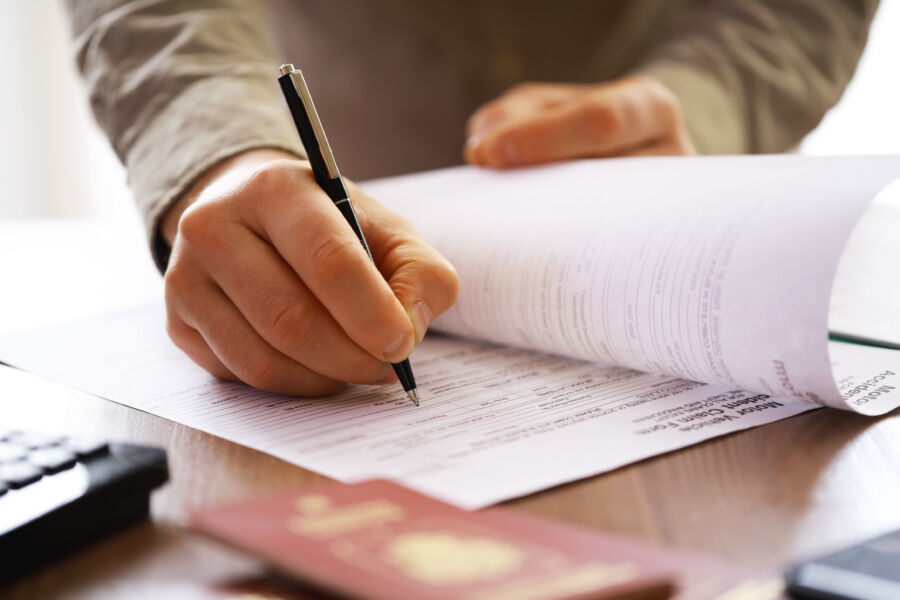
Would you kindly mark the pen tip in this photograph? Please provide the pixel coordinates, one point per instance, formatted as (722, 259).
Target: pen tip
(413, 396)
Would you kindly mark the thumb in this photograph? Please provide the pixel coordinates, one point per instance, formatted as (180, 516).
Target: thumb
(425, 282)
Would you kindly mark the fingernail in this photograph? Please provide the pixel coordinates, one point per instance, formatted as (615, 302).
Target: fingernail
(471, 149)
(421, 318)
(399, 350)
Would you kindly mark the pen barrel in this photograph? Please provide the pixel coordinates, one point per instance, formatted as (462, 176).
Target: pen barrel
(350, 216)
(403, 369)
(405, 375)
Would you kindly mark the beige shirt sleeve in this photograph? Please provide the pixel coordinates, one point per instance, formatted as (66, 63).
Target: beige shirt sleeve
(179, 86)
(758, 75)
(157, 70)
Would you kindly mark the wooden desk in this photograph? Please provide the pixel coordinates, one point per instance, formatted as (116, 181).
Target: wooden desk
(764, 497)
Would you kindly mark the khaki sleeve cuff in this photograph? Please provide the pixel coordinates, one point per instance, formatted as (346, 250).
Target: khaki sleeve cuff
(212, 120)
(713, 114)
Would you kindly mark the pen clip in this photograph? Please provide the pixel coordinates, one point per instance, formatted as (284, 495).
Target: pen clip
(324, 147)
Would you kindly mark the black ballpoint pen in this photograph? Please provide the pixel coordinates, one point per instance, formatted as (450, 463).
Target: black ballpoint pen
(325, 170)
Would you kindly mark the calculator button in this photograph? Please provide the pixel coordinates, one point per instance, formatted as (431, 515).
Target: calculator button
(32, 440)
(6, 433)
(11, 452)
(19, 474)
(84, 447)
(52, 460)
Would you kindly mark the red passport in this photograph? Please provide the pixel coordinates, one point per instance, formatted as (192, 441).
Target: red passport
(381, 541)
(378, 540)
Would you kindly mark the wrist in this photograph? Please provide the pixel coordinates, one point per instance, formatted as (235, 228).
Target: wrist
(223, 173)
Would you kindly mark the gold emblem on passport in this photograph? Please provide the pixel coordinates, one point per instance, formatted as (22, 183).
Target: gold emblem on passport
(320, 519)
(378, 533)
(313, 503)
(448, 558)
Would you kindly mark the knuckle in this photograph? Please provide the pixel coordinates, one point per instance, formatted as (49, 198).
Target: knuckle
(195, 224)
(176, 281)
(257, 371)
(293, 327)
(601, 120)
(404, 245)
(405, 288)
(332, 255)
(173, 280)
(184, 288)
(273, 175)
(204, 226)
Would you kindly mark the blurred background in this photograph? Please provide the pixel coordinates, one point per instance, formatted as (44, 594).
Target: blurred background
(56, 163)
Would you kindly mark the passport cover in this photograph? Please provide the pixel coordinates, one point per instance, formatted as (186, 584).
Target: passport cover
(378, 540)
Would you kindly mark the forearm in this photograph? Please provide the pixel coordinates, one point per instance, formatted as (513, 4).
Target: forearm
(756, 76)
(179, 88)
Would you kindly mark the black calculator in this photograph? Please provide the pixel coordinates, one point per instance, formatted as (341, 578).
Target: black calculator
(58, 493)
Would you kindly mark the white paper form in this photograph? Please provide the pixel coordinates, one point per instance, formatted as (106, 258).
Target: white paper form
(714, 269)
(495, 423)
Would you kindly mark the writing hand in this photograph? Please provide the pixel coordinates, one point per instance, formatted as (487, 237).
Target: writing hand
(541, 122)
(267, 284)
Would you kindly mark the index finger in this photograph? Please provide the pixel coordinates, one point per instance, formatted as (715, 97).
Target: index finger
(302, 223)
(517, 102)
(612, 120)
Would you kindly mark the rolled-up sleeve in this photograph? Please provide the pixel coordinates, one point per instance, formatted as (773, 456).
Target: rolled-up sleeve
(757, 75)
(178, 87)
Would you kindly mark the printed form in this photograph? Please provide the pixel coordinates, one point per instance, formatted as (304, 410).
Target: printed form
(495, 423)
(595, 299)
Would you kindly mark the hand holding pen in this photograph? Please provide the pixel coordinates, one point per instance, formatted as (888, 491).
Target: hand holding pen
(268, 285)
(328, 176)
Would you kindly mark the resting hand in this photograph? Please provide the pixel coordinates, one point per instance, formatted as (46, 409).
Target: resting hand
(541, 122)
(267, 284)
